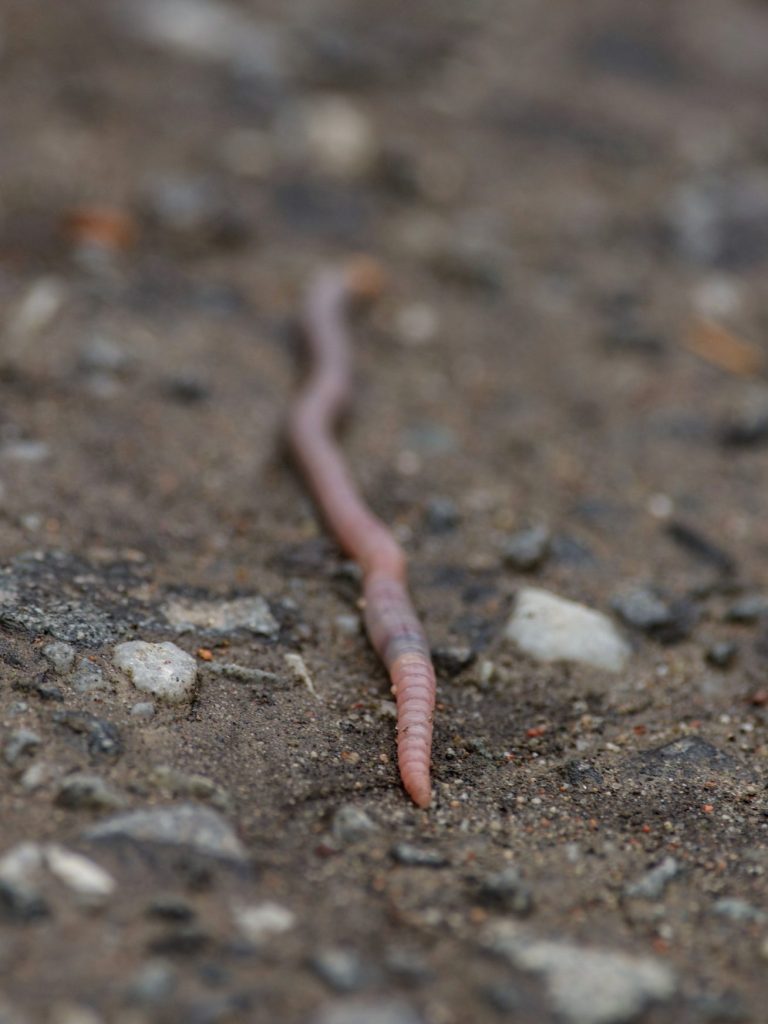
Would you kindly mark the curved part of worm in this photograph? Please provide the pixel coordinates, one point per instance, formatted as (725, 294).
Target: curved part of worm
(391, 622)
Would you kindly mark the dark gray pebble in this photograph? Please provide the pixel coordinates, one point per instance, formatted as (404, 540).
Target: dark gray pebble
(701, 547)
(581, 774)
(441, 515)
(688, 756)
(20, 742)
(722, 654)
(747, 425)
(341, 969)
(22, 902)
(351, 824)
(502, 996)
(527, 549)
(82, 791)
(506, 891)
(171, 908)
(748, 609)
(451, 660)
(153, 984)
(187, 940)
(642, 608)
(102, 737)
(645, 609)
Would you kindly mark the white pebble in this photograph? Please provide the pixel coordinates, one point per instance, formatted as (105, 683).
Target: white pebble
(416, 324)
(163, 670)
(37, 309)
(36, 776)
(79, 873)
(26, 451)
(21, 863)
(551, 628)
(143, 709)
(337, 137)
(261, 921)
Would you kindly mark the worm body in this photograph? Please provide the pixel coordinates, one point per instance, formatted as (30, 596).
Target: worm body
(391, 622)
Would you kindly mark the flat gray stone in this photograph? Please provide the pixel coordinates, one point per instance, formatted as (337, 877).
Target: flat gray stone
(249, 613)
(551, 628)
(60, 655)
(183, 824)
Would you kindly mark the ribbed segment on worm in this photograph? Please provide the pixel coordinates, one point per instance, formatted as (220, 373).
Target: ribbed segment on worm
(391, 622)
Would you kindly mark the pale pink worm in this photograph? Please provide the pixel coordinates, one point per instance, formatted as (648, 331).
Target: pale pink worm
(391, 622)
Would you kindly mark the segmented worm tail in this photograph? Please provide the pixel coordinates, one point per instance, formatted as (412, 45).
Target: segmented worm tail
(391, 622)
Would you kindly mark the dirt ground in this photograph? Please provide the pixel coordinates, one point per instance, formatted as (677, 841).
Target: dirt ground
(571, 203)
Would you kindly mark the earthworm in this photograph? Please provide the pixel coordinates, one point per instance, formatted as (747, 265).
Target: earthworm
(390, 620)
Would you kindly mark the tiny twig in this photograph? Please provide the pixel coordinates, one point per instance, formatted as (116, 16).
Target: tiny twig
(299, 668)
(242, 673)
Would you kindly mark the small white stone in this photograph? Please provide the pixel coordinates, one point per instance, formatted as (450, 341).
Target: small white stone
(163, 670)
(337, 137)
(37, 309)
(36, 776)
(21, 864)
(551, 628)
(717, 296)
(260, 921)
(143, 709)
(79, 873)
(26, 451)
(416, 324)
(347, 625)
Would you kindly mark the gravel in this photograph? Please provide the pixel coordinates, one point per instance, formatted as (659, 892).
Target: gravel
(527, 549)
(60, 655)
(652, 885)
(351, 824)
(88, 677)
(587, 986)
(259, 923)
(20, 742)
(190, 825)
(247, 613)
(341, 969)
(80, 874)
(83, 791)
(418, 856)
(739, 910)
(507, 891)
(551, 628)
(163, 670)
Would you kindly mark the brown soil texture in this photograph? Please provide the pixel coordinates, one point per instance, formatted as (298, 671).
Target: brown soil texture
(571, 204)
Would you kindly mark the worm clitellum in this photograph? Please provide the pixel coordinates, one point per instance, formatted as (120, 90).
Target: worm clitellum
(390, 620)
